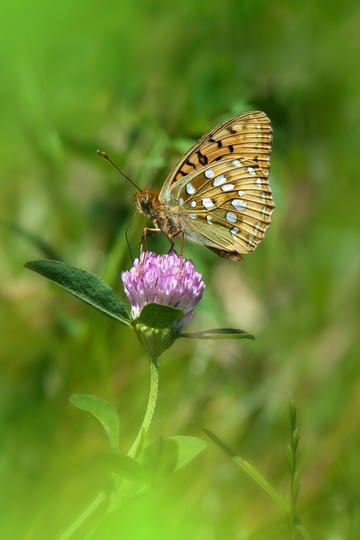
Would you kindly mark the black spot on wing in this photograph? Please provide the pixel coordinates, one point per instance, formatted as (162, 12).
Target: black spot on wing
(202, 158)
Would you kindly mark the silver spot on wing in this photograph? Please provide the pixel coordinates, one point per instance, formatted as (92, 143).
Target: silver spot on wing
(239, 204)
(227, 187)
(219, 180)
(190, 188)
(208, 203)
(209, 173)
(231, 217)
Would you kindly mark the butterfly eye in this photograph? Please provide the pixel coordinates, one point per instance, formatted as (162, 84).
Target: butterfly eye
(145, 202)
(142, 201)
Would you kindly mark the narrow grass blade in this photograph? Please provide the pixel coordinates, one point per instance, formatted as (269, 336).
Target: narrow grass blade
(251, 471)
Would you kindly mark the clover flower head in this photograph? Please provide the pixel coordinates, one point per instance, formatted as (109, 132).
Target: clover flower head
(164, 279)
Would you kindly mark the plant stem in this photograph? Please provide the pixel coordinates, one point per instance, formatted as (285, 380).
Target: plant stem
(144, 428)
(89, 510)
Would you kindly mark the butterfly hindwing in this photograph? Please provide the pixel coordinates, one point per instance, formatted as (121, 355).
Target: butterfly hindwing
(226, 206)
(248, 135)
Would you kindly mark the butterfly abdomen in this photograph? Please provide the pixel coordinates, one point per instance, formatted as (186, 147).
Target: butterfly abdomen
(164, 219)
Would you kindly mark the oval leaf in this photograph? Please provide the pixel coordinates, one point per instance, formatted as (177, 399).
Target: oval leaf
(85, 285)
(219, 333)
(104, 412)
(158, 315)
(188, 449)
(159, 459)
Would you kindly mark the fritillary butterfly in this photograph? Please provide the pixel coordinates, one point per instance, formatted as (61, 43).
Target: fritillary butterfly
(218, 194)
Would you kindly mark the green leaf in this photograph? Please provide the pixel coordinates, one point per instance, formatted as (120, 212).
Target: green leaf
(159, 459)
(103, 471)
(123, 466)
(158, 315)
(219, 333)
(85, 285)
(188, 449)
(247, 468)
(104, 412)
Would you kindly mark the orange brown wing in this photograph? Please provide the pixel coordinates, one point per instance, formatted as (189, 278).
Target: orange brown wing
(226, 206)
(247, 135)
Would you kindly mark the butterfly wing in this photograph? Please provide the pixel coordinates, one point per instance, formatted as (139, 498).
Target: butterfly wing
(247, 135)
(226, 206)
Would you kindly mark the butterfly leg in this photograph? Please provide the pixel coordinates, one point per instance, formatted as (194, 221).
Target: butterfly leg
(148, 232)
(173, 235)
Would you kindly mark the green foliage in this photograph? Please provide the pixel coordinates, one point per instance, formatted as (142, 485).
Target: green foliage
(104, 412)
(143, 80)
(125, 467)
(265, 485)
(292, 462)
(251, 471)
(219, 333)
(85, 285)
(158, 316)
(187, 449)
(159, 460)
(165, 456)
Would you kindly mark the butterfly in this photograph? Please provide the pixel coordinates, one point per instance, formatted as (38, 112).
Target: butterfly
(218, 194)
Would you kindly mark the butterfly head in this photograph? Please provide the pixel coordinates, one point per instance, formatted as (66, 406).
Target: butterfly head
(144, 200)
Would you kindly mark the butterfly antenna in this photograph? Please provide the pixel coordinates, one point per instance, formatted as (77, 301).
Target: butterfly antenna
(106, 157)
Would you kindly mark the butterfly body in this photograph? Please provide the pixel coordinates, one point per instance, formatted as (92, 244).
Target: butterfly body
(147, 202)
(218, 194)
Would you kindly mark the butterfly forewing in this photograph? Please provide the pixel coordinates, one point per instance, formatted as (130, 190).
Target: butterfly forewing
(226, 205)
(248, 135)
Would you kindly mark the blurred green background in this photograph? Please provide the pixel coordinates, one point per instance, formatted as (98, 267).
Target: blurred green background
(143, 80)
